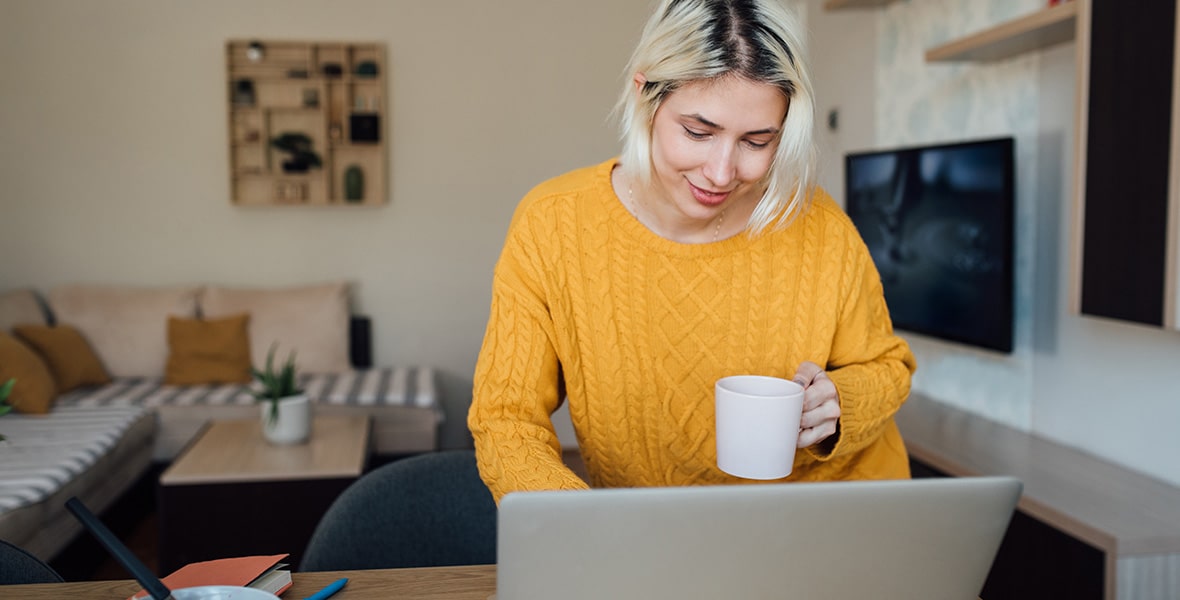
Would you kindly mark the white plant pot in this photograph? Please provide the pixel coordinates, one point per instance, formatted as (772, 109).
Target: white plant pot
(293, 422)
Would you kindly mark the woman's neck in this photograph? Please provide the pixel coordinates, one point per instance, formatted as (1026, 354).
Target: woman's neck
(661, 217)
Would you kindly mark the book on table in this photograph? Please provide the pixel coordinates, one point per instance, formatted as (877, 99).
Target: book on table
(267, 573)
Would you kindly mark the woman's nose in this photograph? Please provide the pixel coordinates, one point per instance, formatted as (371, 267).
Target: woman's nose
(720, 168)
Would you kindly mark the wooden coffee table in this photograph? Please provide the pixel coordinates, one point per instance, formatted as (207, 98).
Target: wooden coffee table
(231, 493)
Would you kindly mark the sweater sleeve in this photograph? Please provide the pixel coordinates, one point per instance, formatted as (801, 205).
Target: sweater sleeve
(870, 365)
(517, 376)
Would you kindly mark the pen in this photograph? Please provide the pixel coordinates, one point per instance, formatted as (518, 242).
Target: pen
(328, 590)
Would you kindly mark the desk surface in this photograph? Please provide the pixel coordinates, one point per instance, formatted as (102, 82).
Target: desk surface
(1110, 507)
(436, 583)
(232, 451)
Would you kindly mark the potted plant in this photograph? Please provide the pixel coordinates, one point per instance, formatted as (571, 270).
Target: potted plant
(298, 146)
(286, 410)
(5, 407)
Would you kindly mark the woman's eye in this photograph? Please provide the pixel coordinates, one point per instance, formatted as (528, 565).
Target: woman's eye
(757, 145)
(696, 135)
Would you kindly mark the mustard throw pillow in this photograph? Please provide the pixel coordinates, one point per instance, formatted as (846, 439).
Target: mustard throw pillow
(208, 351)
(34, 389)
(69, 356)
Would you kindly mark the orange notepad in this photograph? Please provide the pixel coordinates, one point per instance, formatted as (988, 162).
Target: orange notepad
(262, 572)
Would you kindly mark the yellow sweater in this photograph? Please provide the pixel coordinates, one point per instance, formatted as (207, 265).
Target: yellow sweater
(639, 328)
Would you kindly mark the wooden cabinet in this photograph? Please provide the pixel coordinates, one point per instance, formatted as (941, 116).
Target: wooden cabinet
(1125, 235)
(307, 122)
(1084, 528)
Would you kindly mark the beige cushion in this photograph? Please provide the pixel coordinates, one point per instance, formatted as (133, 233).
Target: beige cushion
(20, 307)
(126, 325)
(311, 320)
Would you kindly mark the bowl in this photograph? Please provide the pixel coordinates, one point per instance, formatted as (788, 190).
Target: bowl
(221, 592)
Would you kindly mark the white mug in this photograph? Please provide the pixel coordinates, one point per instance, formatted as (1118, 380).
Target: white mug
(757, 421)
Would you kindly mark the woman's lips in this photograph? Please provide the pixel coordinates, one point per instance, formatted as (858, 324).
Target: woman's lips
(706, 197)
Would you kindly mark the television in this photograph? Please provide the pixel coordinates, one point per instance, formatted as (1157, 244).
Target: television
(938, 220)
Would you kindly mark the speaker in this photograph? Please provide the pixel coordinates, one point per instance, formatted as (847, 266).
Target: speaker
(360, 342)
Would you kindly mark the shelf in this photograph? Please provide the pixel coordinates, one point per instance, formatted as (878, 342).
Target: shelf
(1042, 29)
(325, 109)
(280, 174)
(849, 4)
(343, 79)
(295, 109)
(367, 146)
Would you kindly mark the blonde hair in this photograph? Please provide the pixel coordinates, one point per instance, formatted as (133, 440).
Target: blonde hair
(692, 40)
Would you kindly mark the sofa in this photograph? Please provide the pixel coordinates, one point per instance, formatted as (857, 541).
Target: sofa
(111, 378)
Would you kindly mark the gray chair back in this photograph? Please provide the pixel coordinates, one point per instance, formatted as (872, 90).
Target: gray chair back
(19, 567)
(428, 510)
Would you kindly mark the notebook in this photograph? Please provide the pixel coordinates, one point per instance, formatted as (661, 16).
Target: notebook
(881, 540)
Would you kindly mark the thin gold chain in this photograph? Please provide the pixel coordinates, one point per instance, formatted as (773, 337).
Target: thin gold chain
(635, 212)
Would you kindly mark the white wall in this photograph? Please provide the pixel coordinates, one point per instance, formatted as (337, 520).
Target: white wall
(842, 74)
(113, 151)
(1108, 388)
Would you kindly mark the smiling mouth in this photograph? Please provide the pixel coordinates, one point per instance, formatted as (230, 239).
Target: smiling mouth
(706, 197)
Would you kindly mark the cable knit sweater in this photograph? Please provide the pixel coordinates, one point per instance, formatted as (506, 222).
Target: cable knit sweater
(635, 329)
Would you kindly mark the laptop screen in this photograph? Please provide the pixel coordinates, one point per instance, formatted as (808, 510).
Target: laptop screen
(884, 540)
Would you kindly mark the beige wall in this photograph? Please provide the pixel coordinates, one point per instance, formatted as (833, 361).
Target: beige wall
(113, 153)
(842, 74)
(113, 169)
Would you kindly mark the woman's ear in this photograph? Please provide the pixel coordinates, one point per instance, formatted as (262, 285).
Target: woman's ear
(640, 79)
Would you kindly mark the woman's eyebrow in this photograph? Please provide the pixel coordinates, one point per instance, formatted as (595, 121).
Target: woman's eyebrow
(707, 123)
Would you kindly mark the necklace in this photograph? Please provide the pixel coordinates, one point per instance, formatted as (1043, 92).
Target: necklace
(635, 212)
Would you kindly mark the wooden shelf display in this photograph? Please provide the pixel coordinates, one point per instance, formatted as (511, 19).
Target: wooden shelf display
(849, 4)
(1044, 28)
(326, 97)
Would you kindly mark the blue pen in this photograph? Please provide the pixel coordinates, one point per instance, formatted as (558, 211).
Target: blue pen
(330, 589)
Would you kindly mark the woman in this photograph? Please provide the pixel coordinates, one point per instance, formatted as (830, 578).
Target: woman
(704, 250)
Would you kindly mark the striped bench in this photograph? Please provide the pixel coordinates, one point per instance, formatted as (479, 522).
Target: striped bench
(94, 453)
(403, 402)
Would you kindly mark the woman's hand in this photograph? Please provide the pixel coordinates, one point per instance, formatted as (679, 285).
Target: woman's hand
(821, 405)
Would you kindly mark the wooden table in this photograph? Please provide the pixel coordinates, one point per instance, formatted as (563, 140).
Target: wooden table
(231, 493)
(434, 583)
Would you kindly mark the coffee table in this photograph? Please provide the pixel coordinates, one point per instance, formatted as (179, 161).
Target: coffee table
(231, 493)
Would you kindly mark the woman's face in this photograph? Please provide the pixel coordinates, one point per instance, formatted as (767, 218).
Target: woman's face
(713, 142)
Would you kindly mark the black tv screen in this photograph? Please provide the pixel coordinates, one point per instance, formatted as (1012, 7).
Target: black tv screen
(938, 222)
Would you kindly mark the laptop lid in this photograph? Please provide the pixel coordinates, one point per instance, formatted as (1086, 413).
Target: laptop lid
(884, 540)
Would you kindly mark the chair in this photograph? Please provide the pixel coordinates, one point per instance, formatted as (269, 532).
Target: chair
(428, 510)
(19, 567)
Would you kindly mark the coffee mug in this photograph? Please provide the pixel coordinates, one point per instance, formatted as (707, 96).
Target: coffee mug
(757, 419)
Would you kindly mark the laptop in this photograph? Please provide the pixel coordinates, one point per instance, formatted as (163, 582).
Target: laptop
(881, 540)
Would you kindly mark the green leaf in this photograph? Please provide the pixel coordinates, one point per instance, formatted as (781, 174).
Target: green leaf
(279, 383)
(6, 389)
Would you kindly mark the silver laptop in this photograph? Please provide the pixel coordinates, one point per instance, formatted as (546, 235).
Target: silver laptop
(881, 540)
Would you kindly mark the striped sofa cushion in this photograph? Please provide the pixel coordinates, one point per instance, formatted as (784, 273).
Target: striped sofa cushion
(398, 386)
(45, 452)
